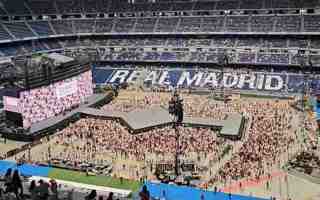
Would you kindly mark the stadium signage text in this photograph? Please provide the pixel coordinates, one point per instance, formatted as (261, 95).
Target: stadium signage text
(192, 78)
(66, 89)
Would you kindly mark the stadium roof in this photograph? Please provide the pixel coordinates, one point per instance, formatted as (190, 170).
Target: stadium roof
(59, 58)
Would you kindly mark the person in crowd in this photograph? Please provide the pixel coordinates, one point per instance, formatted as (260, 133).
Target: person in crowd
(110, 197)
(163, 196)
(100, 198)
(70, 194)
(144, 194)
(92, 195)
(54, 189)
(17, 186)
(43, 190)
(8, 181)
(32, 190)
(202, 196)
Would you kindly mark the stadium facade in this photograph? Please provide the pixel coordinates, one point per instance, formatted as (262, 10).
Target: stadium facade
(267, 32)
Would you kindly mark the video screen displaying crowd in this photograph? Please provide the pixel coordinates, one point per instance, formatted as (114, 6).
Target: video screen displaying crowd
(45, 102)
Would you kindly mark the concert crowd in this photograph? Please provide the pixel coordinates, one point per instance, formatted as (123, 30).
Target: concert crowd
(93, 139)
(271, 132)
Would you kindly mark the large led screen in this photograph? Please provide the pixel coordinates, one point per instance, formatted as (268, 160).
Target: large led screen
(49, 101)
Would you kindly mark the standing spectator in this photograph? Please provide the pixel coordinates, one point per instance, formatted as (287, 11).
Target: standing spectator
(144, 194)
(8, 180)
(43, 190)
(202, 196)
(17, 184)
(101, 198)
(70, 194)
(32, 190)
(92, 195)
(163, 195)
(54, 189)
(110, 197)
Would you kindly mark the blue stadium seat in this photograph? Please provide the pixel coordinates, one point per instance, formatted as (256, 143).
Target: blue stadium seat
(19, 29)
(42, 28)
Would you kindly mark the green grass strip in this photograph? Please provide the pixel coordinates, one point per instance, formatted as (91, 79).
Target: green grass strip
(106, 181)
(262, 96)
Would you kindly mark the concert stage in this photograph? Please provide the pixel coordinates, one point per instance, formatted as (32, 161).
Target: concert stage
(157, 116)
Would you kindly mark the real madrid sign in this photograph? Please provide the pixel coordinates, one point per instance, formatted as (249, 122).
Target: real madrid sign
(208, 79)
